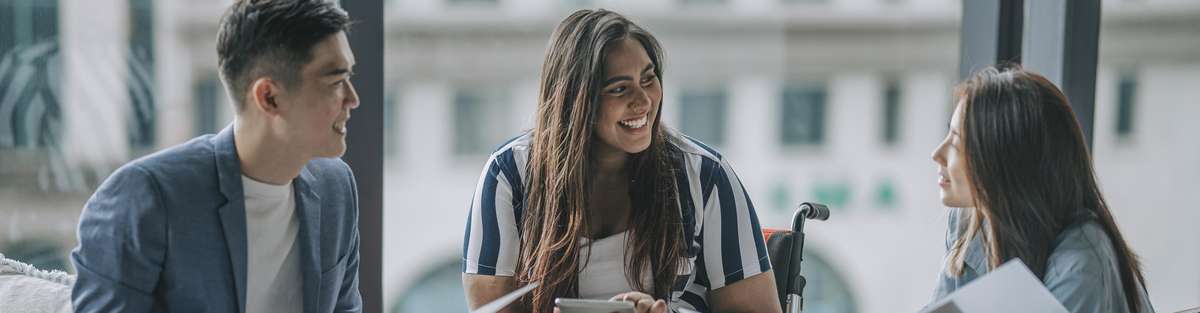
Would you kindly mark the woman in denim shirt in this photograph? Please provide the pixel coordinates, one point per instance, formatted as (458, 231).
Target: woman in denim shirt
(1016, 164)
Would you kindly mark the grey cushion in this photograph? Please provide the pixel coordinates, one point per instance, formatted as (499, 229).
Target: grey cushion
(25, 289)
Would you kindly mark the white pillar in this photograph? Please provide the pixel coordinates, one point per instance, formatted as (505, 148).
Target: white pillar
(94, 36)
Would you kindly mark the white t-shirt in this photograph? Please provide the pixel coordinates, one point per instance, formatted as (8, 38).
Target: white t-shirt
(273, 279)
(603, 276)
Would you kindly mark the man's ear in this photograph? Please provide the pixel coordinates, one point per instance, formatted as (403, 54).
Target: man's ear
(264, 94)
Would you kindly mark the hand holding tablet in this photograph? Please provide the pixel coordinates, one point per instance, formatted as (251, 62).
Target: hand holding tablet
(629, 302)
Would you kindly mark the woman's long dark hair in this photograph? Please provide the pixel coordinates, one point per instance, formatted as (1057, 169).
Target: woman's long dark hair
(1032, 175)
(560, 165)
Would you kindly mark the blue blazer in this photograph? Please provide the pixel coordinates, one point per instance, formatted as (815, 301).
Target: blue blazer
(167, 233)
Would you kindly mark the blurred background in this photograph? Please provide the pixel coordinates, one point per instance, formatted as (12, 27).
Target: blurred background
(835, 101)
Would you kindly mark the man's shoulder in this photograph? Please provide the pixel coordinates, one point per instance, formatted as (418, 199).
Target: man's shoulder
(186, 168)
(186, 157)
(332, 178)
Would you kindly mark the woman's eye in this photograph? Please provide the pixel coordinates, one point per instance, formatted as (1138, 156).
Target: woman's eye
(617, 90)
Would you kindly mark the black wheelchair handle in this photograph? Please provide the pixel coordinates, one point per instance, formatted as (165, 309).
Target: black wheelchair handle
(809, 211)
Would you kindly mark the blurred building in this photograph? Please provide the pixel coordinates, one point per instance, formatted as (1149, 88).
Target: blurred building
(86, 86)
(836, 101)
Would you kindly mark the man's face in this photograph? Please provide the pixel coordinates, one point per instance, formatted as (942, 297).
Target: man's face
(319, 105)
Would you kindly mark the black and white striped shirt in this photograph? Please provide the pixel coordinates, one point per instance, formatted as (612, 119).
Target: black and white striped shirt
(725, 240)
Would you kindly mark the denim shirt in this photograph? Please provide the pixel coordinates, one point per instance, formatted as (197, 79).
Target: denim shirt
(1082, 271)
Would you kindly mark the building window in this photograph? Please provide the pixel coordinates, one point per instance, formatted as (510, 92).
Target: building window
(578, 4)
(702, 2)
(30, 71)
(891, 113)
(805, 1)
(473, 2)
(834, 193)
(703, 114)
(27, 22)
(1126, 100)
(140, 83)
(206, 95)
(886, 196)
(481, 120)
(803, 117)
(391, 122)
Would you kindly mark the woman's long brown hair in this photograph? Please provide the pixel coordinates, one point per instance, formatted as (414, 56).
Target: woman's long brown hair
(1032, 175)
(560, 166)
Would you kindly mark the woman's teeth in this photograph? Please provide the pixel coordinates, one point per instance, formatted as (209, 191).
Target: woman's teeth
(635, 123)
(340, 128)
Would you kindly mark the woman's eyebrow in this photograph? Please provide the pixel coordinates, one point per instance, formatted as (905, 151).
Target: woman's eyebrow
(626, 77)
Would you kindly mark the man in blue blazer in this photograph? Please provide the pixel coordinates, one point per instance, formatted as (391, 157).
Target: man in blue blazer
(261, 217)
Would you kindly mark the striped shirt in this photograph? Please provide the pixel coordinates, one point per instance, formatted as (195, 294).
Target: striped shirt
(725, 242)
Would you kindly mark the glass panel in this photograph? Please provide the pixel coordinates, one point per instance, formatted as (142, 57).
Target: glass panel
(838, 101)
(827, 290)
(472, 2)
(441, 291)
(702, 3)
(1145, 147)
(83, 90)
(140, 80)
(704, 112)
(803, 117)
(206, 95)
(1126, 99)
(478, 117)
(30, 65)
(891, 113)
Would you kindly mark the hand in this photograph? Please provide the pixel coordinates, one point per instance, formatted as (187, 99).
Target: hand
(642, 303)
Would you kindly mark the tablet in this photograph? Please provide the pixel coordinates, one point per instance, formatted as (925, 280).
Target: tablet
(567, 305)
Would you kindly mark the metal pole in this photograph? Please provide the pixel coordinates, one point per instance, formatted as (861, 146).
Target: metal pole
(990, 35)
(1062, 40)
(364, 151)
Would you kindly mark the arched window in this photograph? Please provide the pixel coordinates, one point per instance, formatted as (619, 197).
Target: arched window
(826, 291)
(438, 290)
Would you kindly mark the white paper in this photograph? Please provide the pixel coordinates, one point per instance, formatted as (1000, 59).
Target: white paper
(1010, 288)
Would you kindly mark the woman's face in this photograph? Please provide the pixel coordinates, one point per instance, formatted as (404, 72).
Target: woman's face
(629, 98)
(956, 188)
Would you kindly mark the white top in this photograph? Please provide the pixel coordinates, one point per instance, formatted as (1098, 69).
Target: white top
(273, 280)
(603, 276)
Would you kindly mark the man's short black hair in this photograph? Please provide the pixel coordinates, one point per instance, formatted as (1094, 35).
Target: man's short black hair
(272, 38)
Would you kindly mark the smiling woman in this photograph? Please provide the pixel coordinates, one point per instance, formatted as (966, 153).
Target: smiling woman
(602, 201)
